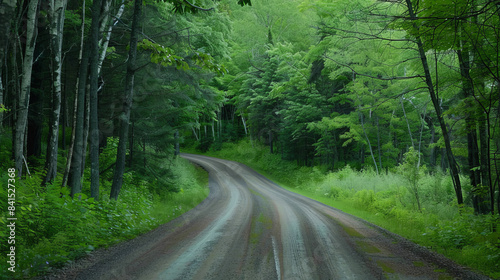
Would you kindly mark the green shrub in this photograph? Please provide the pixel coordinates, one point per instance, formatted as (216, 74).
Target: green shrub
(364, 198)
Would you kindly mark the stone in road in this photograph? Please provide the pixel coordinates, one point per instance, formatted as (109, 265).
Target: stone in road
(250, 228)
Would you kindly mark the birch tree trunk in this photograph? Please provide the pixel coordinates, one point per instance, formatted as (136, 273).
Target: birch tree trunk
(127, 103)
(24, 95)
(81, 109)
(244, 125)
(368, 141)
(108, 29)
(407, 122)
(56, 17)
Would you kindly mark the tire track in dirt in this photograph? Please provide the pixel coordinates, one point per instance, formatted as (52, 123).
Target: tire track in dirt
(250, 228)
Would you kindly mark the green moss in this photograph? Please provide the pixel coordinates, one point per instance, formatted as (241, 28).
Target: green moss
(386, 267)
(257, 193)
(418, 264)
(351, 231)
(367, 247)
(445, 277)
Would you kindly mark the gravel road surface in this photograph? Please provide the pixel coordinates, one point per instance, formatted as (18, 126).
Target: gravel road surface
(250, 228)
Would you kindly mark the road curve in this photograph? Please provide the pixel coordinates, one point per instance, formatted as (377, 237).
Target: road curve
(250, 228)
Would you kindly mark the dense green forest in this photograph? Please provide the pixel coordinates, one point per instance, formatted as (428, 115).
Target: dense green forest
(97, 97)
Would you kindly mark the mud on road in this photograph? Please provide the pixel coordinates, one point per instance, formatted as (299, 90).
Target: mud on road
(250, 228)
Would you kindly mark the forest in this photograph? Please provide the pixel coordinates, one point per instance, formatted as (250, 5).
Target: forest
(98, 98)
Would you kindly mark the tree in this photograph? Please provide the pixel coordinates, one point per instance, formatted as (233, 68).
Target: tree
(127, 102)
(390, 28)
(410, 169)
(24, 95)
(56, 18)
(7, 12)
(163, 56)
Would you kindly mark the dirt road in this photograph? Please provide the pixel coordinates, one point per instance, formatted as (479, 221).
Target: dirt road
(250, 228)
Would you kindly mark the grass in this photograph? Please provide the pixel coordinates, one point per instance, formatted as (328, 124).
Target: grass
(387, 201)
(53, 230)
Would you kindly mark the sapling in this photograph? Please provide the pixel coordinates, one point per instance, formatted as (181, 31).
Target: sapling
(410, 170)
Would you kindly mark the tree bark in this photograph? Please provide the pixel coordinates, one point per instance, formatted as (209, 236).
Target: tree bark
(177, 147)
(472, 145)
(94, 119)
(105, 41)
(35, 115)
(368, 141)
(127, 104)
(131, 145)
(432, 152)
(7, 11)
(24, 96)
(75, 170)
(379, 148)
(270, 139)
(483, 144)
(75, 110)
(57, 9)
(407, 123)
(244, 125)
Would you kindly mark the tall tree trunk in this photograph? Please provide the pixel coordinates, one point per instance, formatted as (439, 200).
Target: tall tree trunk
(7, 12)
(244, 125)
(368, 141)
(35, 115)
(478, 198)
(379, 148)
(435, 101)
(432, 152)
(75, 110)
(75, 170)
(64, 113)
(15, 88)
(127, 104)
(420, 137)
(103, 28)
(177, 147)
(94, 119)
(24, 96)
(108, 29)
(271, 150)
(144, 152)
(195, 134)
(131, 145)
(407, 123)
(483, 144)
(57, 9)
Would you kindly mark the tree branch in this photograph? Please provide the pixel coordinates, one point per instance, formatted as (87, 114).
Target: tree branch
(374, 77)
(199, 8)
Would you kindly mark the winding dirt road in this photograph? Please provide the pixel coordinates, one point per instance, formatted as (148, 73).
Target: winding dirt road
(250, 228)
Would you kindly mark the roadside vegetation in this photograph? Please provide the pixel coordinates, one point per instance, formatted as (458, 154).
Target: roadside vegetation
(388, 200)
(53, 229)
(387, 109)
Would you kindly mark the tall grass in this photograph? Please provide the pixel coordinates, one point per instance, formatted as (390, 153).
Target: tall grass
(53, 229)
(388, 201)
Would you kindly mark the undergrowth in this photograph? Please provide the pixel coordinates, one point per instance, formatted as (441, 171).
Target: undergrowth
(389, 201)
(52, 229)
